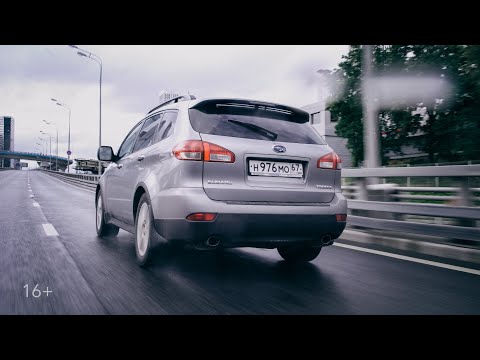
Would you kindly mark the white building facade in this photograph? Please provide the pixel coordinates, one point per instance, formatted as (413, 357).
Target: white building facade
(326, 128)
(167, 94)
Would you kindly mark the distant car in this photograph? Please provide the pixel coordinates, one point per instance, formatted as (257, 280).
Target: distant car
(223, 173)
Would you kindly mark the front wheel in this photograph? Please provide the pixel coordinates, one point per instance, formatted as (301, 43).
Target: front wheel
(299, 253)
(144, 231)
(103, 229)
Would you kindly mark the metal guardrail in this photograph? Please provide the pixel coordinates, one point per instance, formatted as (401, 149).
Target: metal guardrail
(449, 170)
(84, 181)
(386, 214)
(462, 212)
(456, 232)
(351, 193)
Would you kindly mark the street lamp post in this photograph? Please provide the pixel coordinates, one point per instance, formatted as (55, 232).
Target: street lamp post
(50, 155)
(370, 123)
(97, 59)
(56, 127)
(43, 145)
(371, 139)
(69, 115)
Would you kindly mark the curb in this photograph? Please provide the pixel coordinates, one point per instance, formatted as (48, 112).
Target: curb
(418, 246)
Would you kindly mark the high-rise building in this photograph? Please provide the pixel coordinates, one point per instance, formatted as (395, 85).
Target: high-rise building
(166, 95)
(7, 135)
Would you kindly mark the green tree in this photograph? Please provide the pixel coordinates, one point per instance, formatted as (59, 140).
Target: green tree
(449, 129)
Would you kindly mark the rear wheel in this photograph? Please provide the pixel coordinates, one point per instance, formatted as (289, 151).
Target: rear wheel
(144, 231)
(299, 253)
(103, 229)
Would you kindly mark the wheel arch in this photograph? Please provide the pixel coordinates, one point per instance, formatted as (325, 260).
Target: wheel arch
(139, 191)
(97, 190)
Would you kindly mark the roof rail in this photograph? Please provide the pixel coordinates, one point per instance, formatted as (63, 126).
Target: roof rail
(174, 100)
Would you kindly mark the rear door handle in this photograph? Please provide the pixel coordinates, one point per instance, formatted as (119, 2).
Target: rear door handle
(140, 158)
(119, 166)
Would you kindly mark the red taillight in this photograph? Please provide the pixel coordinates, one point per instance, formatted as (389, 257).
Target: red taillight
(201, 150)
(201, 217)
(189, 150)
(330, 161)
(341, 217)
(217, 153)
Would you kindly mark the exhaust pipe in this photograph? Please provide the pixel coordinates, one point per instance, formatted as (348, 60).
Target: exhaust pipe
(213, 241)
(327, 240)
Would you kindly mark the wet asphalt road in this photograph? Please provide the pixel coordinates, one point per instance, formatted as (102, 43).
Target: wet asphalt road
(89, 275)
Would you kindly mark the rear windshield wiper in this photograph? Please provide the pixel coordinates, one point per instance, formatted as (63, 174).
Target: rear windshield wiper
(257, 129)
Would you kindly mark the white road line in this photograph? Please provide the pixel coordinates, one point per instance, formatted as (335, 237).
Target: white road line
(49, 230)
(32, 196)
(36, 204)
(412, 259)
(29, 189)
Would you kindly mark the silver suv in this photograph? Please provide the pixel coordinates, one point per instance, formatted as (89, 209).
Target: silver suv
(222, 173)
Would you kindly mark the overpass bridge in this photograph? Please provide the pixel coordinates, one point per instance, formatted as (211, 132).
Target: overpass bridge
(43, 160)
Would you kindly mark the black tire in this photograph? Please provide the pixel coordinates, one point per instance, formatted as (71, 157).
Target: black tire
(299, 253)
(144, 231)
(103, 229)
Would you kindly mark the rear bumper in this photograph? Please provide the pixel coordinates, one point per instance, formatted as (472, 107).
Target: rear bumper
(240, 225)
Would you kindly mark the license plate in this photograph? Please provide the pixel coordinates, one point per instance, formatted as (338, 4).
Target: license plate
(272, 168)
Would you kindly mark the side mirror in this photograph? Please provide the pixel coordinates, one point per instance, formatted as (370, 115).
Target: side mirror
(105, 153)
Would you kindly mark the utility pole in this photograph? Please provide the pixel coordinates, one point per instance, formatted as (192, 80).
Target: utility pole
(371, 140)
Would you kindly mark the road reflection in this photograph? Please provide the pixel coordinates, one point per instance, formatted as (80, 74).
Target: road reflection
(251, 281)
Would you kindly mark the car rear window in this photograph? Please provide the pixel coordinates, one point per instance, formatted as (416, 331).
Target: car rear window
(253, 120)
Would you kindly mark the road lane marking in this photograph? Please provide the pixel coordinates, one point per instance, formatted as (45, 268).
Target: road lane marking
(32, 196)
(29, 189)
(36, 204)
(49, 230)
(409, 258)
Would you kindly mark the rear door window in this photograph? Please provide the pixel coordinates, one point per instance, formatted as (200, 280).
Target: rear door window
(167, 125)
(252, 120)
(145, 136)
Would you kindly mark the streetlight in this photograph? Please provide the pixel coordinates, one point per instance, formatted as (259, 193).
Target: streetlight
(44, 133)
(69, 152)
(45, 143)
(37, 147)
(41, 147)
(54, 124)
(96, 58)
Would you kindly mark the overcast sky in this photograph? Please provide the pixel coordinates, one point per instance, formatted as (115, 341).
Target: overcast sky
(134, 75)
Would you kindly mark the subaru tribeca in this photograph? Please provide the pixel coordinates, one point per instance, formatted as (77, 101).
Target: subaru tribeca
(223, 173)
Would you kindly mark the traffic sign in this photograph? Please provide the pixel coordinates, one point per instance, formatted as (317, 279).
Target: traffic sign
(69, 152)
